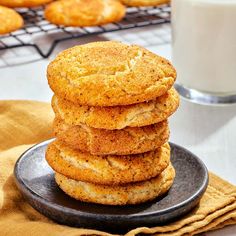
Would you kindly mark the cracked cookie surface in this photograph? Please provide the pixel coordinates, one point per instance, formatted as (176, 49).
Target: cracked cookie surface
(118, 195)
(109, 74)
(84, 12)
(130, 140)
(118, 117)
(109, 170)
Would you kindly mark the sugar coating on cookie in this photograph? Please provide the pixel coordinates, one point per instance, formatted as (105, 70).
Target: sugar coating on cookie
(110, 169)
(117, 117)
(84, 12)
(109, 73)
(137, 3)
(134, 193)
(10, 20)
(23, 3)
(130, 140)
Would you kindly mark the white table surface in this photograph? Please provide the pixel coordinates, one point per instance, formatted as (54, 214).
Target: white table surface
(209, 132)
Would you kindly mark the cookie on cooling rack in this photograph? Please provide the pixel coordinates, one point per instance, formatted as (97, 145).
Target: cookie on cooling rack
(10, 20)
(139, 3)
(23, 3)
(110, 169)
(133, 193)
(84, 12)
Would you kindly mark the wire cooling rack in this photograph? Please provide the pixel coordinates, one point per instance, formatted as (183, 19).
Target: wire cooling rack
(43, 36)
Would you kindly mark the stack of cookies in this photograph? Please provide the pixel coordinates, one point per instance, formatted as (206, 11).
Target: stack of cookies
(111, 104)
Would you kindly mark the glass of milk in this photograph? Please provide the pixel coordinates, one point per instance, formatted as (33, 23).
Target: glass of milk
(204, 49)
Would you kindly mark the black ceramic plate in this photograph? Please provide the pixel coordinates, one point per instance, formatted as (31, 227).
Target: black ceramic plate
(35, 180)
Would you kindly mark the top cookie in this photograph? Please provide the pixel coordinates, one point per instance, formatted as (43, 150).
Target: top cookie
(23, 3)
(109, 74)
(139, 3)
(84, 12)
(10, 20)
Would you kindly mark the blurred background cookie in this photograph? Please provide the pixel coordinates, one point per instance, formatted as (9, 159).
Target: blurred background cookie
(84, 12)
(137, 3)
(23, 3)
(10, 20)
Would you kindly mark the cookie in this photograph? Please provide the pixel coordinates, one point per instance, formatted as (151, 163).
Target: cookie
(139, 3)
(118, 117)
(84, 12)
(134, 193)
(131, 140)
(109, 74)
(109, 170)
(10, 20)
(23, 3)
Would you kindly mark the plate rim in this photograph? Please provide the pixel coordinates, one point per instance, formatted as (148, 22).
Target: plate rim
(23, 187)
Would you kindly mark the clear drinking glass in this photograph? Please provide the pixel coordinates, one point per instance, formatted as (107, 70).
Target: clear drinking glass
(204, 49)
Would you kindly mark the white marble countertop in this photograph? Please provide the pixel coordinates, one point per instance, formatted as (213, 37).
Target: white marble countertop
(209, 132)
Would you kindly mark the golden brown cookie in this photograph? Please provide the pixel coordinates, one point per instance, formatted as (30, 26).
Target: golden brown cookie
(10, 20)
(131, 140)
(109, 170)
(139, 3)
(23, 3)
(118, 195)
(84, 12)
(109, 74)
(118, 117)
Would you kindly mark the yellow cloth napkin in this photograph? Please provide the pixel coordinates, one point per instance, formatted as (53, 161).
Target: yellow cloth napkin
(23, 123)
